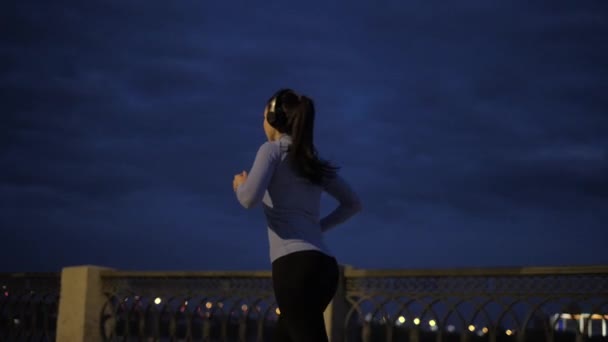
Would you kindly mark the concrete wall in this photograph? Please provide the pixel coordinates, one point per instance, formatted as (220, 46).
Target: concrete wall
(80, 303)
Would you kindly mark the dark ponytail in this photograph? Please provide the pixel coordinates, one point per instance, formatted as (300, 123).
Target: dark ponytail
(300, 112)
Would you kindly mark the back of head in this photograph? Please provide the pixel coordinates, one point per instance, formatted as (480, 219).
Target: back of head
(294, 114)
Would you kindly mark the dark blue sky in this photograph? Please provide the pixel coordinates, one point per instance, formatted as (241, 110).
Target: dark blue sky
(475, 132)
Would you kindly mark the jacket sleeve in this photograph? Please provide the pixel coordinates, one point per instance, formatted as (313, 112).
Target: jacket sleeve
(251, 192)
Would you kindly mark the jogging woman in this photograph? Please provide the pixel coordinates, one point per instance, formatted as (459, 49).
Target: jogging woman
(288, 178)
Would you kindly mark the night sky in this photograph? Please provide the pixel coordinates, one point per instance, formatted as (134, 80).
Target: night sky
(475, 133)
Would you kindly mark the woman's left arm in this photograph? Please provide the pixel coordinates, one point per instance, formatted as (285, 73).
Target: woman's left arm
(251, 192)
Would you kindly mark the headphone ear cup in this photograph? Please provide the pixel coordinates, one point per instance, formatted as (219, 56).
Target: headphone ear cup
(276, 119)
(271, 117)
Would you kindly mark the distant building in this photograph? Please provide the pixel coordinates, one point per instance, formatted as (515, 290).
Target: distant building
(596, 323)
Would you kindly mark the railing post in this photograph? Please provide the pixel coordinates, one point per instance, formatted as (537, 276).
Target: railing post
(80, 302)
(492, 335)
(415, 334)
(335, 314)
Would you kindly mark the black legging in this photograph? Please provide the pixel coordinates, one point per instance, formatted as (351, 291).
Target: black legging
(304, 284)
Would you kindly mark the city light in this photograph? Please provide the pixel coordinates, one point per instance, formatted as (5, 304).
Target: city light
(244, 307)
(432, 323)
(451, 328)
(471, 328)
(401, 319)
(209, 305)
(509, 332)
(416, 320)
(278, 311)
(157, 301)
(484, 330)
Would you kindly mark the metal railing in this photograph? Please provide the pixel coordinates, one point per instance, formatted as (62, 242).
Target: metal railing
(28, 306)
(491, 304)
(204, 306)
(509, 304)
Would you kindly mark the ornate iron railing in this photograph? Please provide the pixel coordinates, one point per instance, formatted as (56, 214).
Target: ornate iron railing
(511, 304)
(28, 306)
(516, 304)
(203, 306)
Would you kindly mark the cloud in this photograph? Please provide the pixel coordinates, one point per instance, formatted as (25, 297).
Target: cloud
(123, 124)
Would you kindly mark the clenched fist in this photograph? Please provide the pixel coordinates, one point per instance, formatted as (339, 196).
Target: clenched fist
(239, 179)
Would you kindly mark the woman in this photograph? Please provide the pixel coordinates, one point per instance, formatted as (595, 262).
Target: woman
(288, 177)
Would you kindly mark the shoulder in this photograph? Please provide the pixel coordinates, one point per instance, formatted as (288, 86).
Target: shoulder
(270, 150)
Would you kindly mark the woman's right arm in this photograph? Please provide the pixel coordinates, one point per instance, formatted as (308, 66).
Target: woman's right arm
(349, 203)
